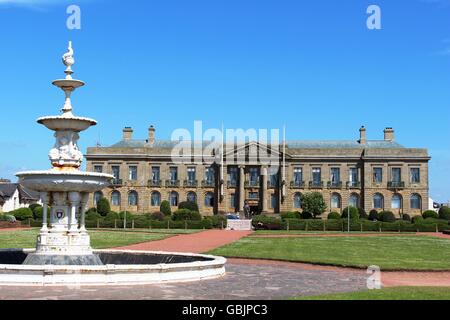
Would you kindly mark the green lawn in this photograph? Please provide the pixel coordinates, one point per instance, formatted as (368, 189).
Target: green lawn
(294, 232)
(389, 253)
(397, 293)
(158, 231)
(99, 239)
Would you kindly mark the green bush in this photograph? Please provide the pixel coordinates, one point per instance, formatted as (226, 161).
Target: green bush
(417, 219)
(306, 215)
(217, 221)
(7, 217)
(92, 215)
(387, 216)
(112, 216)
(430, 214)
(354, 213)
(186, 214)
(193, 206)
(334, 216)
(444, 213)
(165, 208)
(265, 222)
(363, 214)
(103, 207)
(126, 214)
(22, 214)
(37, 212)
(291, 215)
(313, 203)
(158, 215)
(373, 215)
(34, 206)
(406, 217)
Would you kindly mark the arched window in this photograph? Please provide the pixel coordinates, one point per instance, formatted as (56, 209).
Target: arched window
(396, 202)
(97, 196)
(353, 201)
(191, 197)
(133, 198)
(115, 198)
(155, 199)
(297, 200)
(416, 201)
(209, 199)
(335, 200)
(173, 199)
(378, 201)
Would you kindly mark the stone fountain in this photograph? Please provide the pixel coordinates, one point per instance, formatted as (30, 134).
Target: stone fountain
(63, 254)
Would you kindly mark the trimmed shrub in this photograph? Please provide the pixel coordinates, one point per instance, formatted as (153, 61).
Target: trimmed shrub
(92, 215)
(406, 217)
(186, 214)
(217, 221)
(165, 208)
(354, 213)
(291, 215)
(305, 215)
(333, 216)
(34, 206)
(38, 212)
(363, 214)
(22, 214)
(417, 219)
(193, 206)
(387, 216)
(158, 216)
(263, 222)
(103, 207)
(373, 215)
(444, 213)
(7, 218)
(112, 216)
(430, 214)
(127, 214)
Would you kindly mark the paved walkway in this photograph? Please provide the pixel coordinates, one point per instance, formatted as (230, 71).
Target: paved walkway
(14, 229)
(194, 243)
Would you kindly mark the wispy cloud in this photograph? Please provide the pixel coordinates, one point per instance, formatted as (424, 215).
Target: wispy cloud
(34, 4)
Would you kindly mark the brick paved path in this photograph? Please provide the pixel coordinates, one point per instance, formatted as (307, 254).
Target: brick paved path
(195, 243)
(14, 229)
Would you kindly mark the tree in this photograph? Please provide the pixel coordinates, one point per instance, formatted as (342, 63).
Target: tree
(188, 205)
(103, 207)
(444, 213)
(354, 213)
(165, 208)
(313, 203)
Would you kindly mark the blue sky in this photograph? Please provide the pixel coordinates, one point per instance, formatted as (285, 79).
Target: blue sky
(310, 65)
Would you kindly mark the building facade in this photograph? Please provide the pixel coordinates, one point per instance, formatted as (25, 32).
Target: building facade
(371, 174)
(14, 196)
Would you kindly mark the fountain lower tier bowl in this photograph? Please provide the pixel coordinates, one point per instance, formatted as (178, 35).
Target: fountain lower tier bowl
(67, 123)
(64, 181)
(120, 267)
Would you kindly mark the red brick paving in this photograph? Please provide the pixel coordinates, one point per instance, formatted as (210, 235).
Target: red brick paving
(14, 229)
(194, 243)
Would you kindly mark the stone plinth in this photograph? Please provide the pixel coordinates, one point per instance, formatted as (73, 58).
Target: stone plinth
(239, 225)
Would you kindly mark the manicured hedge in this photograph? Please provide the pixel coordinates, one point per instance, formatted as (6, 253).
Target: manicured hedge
(430, 214)
(444, 213)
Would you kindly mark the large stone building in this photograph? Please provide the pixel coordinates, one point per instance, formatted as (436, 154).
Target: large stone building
(379, 174)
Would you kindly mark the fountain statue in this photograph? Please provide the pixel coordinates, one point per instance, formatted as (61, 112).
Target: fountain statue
(63, 254)
(65, 188)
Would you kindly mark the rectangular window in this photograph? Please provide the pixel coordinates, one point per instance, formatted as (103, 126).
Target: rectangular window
(116, 172)
(233, 201)
(254, 175)
(335, 175)
(233, 175)
(132, 173)
(378, 175)
(353, 175)
(209, 175)
(415, 175)
(316, 176)
(156, 174)
(396, 175)
(273, 180)
(253, 195)
(273, 201)
(191, 174)
(298, 176)
(173, 172)
(98, 169)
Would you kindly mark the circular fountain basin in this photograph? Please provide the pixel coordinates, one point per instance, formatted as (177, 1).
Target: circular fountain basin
(121, 267)
(64, 181)
(70, 123)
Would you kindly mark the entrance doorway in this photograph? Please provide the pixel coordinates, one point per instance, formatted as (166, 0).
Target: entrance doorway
(254, 210)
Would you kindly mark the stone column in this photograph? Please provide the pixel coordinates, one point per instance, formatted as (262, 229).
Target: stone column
(241, 188)
(45, 200)
(74, 200)
(84, 202)
(264, 189)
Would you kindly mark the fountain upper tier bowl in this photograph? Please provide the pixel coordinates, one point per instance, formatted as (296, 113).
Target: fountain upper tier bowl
(71, 123)
(64, 181)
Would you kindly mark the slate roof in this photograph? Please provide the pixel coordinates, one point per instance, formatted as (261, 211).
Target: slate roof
(300, 144)
(7, 191)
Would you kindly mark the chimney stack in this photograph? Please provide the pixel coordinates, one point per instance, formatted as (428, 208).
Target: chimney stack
(127, 133)
(389, 134)
(151, 135)
(362, 135)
